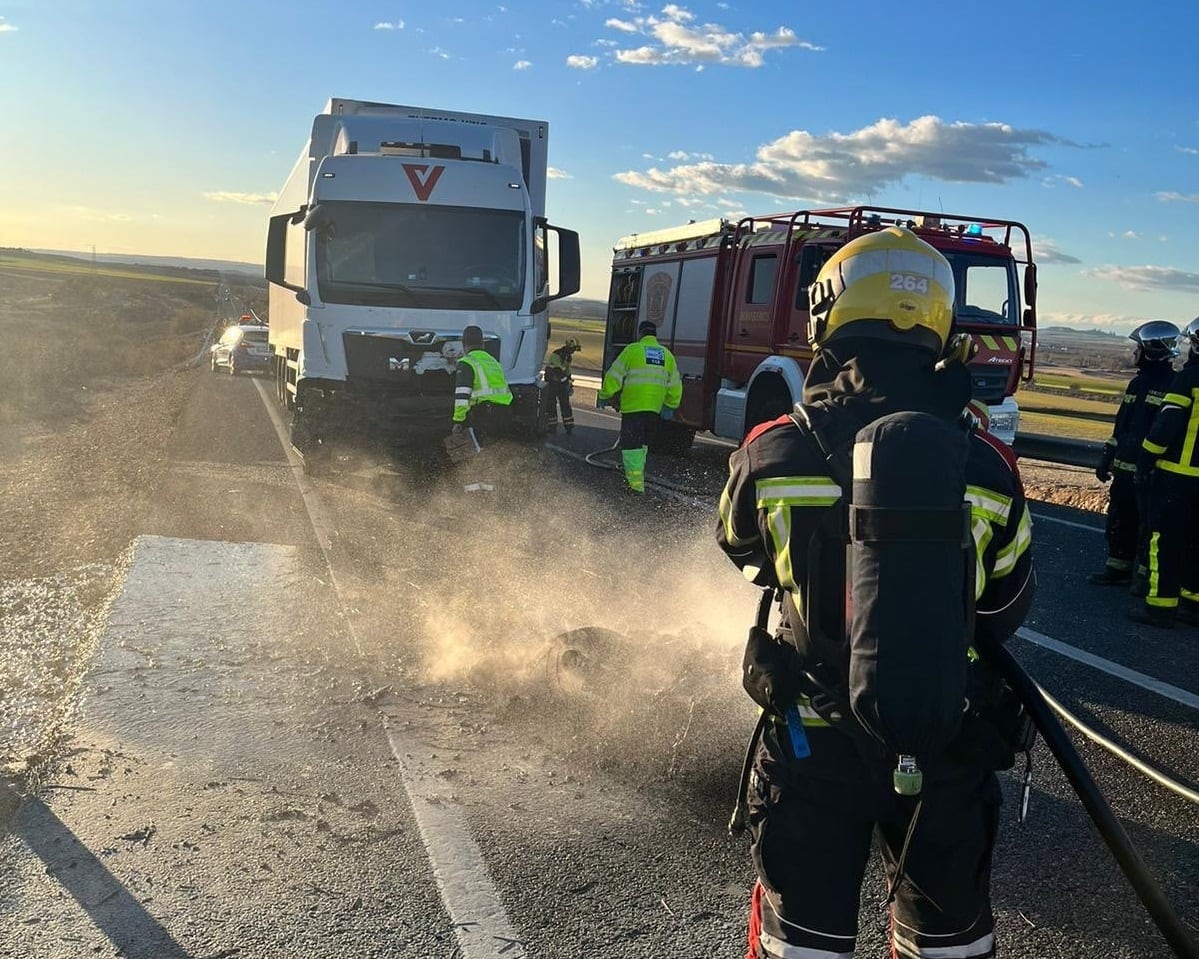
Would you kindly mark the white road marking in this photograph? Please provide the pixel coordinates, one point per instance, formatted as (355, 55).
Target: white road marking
(1179, 695)
(481, 927)
(1041, 517)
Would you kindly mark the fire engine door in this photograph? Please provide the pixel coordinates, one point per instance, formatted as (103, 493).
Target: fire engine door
(751, 327)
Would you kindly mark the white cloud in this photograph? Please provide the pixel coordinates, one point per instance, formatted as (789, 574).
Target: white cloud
(388, 25)
(1178, 197)
(1165, 278)
(1051, 181)
(604, 43)
(1111, 322)
(1193, 151)
(554, 173)
(836, 167)
(623, 25)
(522, 64)
(1047, 252)
(1131, 235)
(8, 28)
(676, 40)
(255, 199)
(684, 155)
(580, 62)
(673, 11)
(439, 52)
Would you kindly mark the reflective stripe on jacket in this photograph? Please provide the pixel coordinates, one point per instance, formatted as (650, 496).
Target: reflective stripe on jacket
(1172, 440)
(480, 380)
(646, 377)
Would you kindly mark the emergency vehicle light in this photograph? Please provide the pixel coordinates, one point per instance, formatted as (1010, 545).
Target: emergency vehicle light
(974, 230)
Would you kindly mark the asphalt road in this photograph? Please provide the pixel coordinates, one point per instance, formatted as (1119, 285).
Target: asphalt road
(392, 718)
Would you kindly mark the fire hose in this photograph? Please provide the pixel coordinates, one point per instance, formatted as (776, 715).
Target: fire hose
(1129, 860)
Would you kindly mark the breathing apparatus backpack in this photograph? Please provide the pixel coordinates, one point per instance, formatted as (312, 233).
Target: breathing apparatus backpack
(903, 635)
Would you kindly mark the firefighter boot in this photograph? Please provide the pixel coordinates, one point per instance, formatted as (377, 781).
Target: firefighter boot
(1160, 617)
(634, 467)
(1188, 612)
(1112, 575)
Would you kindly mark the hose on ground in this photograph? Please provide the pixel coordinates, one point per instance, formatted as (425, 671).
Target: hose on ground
(1126, 855)
(1119, 752)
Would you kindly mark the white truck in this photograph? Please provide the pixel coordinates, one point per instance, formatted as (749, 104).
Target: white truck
(398, 227)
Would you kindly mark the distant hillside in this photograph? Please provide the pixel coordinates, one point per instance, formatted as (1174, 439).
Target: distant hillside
(579, 308)
(177, 262)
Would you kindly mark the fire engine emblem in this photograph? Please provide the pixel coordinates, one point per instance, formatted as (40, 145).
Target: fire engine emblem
(657, 296)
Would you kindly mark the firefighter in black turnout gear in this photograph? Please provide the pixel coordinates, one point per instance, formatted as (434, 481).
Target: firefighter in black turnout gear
(559, 386)
(1169, 468)
(878, 660)
(1126, 506)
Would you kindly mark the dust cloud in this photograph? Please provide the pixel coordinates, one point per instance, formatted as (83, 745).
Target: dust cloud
(559, 589)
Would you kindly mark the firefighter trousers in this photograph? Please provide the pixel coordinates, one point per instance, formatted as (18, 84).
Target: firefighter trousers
(1173, 549)
(634, 446)
(557, 395)
(1124, 519)
(811, 846)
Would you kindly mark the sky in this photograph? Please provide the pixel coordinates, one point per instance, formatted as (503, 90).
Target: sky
(165, 127)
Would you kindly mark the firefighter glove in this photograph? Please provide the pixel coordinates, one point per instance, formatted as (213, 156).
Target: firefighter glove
(770, 672)
(1103, 472)
(600, 402)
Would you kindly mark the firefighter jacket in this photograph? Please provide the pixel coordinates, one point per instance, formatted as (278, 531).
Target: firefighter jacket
(646, 377)
(480, 379)
(781, 490)
(558, 366)
(1172, 437)
(1142, 398)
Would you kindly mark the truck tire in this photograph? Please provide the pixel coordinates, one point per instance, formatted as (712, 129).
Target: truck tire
(671, 439)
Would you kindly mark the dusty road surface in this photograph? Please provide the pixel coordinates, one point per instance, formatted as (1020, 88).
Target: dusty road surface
(370, 714)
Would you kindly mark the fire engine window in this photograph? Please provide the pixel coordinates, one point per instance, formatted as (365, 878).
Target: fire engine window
(761, 278)
(810, 259)
(985, 290)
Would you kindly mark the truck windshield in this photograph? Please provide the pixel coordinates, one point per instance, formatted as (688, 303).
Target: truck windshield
(986, 289)
(433, 257)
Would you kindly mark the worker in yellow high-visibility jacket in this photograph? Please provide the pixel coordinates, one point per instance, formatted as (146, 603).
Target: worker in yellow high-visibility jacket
(646, 377)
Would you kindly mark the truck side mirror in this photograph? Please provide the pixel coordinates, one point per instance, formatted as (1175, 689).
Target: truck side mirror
(569, 268)
(1030, 285)
(276, 253)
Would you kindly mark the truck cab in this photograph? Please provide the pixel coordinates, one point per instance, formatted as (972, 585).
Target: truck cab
(398, 227)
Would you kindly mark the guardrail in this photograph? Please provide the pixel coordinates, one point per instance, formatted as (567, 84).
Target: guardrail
(1032, 446)
(1055, 449)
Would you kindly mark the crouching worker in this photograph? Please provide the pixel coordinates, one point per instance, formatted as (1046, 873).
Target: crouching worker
(479, 385)
(898, 537)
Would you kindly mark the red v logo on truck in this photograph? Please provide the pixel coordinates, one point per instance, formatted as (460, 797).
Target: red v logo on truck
(422, 182)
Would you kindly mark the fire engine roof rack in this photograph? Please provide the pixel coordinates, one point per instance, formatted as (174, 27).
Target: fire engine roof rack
(865, 219)
(657, 241)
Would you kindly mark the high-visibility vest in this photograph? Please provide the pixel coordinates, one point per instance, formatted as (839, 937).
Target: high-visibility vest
(488, 386)
(646, 376)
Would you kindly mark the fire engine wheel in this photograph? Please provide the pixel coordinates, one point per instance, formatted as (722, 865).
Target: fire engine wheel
(768, 401)
(671, 439)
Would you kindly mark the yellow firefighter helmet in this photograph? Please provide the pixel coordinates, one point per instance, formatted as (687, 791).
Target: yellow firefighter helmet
(886, 285)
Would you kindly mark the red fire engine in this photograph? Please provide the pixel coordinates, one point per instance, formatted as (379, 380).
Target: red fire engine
(731, 302)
